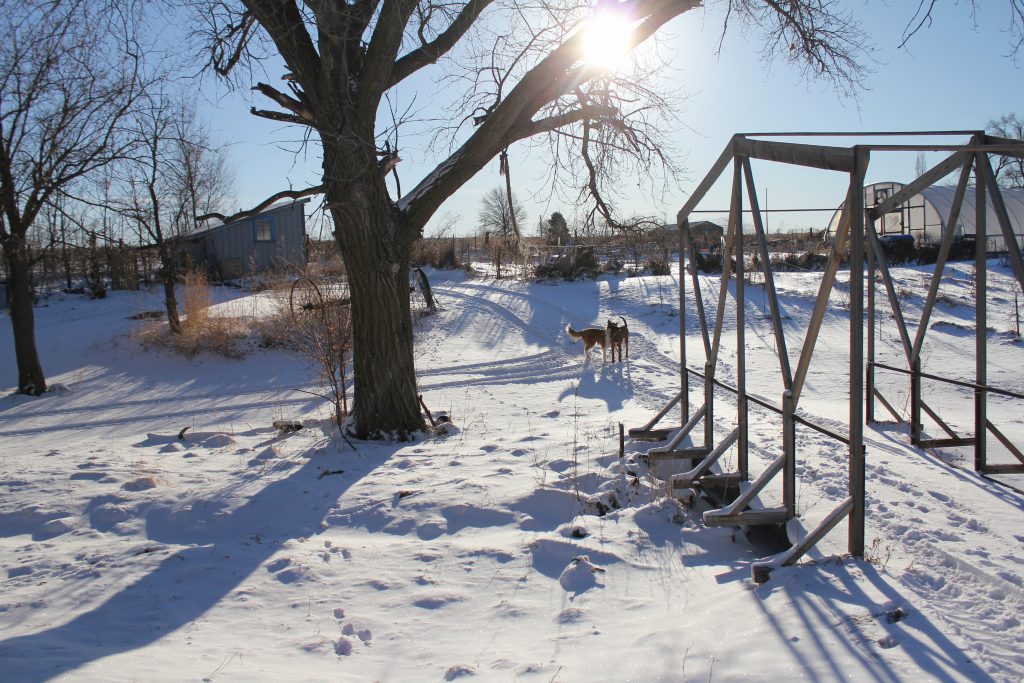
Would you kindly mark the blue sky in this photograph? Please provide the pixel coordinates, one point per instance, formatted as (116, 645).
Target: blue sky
(953, 75)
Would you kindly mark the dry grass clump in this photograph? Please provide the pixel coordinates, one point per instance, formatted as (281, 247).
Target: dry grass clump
(231, 337)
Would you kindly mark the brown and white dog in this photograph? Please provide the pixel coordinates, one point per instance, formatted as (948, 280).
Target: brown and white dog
(617, 334)
(592, 336)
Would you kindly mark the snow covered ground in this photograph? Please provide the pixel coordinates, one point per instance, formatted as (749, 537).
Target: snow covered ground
(237, 553)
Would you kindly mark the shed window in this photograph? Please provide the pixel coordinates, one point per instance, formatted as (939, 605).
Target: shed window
(263, 231)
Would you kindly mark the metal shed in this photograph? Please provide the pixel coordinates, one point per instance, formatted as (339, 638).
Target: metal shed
(274, 239)
(924, 215)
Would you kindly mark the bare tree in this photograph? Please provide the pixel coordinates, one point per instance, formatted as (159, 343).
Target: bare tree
(346, 59)
(495, 214)
(173, 174)
(1009, 169)
(68, 76)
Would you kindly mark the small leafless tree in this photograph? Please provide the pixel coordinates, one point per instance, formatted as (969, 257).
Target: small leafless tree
(1009, 169)
(69, 74)
(172, 174)
(496, 216)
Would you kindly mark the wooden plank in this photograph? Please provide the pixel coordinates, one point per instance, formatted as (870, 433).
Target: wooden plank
(684, 430)
(980, 311)
(762, 570)
(677, 454)
(938, 420)
(650, 434)
(720, 480)
(758, 517)
(947, 443)
(709, 181)
(857, 467)
(1003, 218)
(698, 297)
(940, 262)
(888, 407)
(828, 279)
(750, 492)
(1003, 469)
(661, 413)
(1016, 146)
(813, 156)
(723, 287)
(1006, 442)
(890, 288)
(742, 444)
(912, 189)
(686, 479)
(769, 279)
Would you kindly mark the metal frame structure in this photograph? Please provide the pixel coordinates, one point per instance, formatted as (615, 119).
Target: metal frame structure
(855, 241)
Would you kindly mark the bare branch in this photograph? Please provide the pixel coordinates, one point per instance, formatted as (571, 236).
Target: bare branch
(430, 52)
(276, 197)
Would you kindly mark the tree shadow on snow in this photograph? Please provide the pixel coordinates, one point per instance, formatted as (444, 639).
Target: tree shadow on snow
(832, 594)
(225, 545)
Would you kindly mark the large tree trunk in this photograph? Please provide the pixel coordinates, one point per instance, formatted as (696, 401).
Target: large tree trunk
(30, 371)
(376, 249)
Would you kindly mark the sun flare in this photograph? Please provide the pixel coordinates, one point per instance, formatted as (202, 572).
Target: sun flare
(606, 41)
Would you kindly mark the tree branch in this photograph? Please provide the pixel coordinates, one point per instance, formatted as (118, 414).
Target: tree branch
(551, 123)
(285, 25)
(292, 104)
(558, 74)
(428, 53)
(375, 78)
(284, 194)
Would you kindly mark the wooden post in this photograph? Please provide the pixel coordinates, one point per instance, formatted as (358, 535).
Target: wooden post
(741, 344)
(857, 230)
(769, 280)
(789, 452)
(980, 317)
(684, 374)
(869, 380)
(915, 401)
(709, 405)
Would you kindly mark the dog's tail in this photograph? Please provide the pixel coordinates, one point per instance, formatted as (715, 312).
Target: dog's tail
(624, 324)
(573, 333)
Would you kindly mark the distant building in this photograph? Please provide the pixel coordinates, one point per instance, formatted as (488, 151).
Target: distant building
(274, 239)
(705, 234)
(924, 216)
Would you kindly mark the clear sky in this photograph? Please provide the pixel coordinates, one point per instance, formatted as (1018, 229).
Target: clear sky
(953, 75)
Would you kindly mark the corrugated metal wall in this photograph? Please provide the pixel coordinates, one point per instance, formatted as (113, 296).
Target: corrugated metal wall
(272, 240)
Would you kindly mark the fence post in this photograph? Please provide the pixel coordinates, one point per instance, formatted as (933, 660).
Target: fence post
(869, 387)
(709, 406)
(980, 316)
(856, 472)
(789, 451)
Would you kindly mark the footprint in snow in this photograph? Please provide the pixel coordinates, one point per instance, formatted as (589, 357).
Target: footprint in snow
(458, 671)
(365, 635)
(343, 647)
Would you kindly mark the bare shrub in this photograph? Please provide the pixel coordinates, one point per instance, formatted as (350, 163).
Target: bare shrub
(659, 267)
(322, 333)
(439, 252)
(200, 332)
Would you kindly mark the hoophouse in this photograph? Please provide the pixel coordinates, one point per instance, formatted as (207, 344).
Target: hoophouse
(924, 216)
